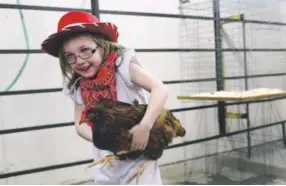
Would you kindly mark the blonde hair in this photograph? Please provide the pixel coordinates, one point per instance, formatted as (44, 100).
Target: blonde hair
(105, 46)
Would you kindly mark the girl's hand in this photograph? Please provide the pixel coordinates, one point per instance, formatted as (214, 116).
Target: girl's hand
(140, 136)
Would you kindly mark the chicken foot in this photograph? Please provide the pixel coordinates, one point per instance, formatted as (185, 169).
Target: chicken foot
(139, 172)
(103, 161)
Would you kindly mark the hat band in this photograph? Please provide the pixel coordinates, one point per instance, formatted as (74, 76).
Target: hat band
(77, 24)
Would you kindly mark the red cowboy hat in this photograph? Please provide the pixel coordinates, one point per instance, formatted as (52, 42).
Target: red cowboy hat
(76, 22)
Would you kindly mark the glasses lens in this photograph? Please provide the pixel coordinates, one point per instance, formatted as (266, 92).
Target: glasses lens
(86, 53)
(70, 59)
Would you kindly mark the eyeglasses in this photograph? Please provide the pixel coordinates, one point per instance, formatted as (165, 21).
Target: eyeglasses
(84, 54)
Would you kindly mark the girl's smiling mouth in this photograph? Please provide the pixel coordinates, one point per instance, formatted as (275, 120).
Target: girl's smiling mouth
(85, 69)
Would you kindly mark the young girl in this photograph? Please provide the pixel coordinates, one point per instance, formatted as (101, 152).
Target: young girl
(96, 66)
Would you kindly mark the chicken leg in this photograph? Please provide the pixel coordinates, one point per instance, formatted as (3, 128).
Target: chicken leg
(139, 172)
(103, 161)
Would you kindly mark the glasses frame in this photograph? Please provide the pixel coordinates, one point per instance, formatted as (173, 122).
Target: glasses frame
(80, 55)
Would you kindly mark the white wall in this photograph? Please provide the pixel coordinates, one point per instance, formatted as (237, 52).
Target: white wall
(28, 150)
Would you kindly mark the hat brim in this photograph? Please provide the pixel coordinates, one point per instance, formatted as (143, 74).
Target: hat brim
(52, 44)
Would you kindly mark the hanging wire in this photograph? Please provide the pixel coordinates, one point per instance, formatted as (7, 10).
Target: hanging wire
(25, 32)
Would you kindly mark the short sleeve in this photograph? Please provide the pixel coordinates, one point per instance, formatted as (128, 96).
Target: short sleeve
(129, 56)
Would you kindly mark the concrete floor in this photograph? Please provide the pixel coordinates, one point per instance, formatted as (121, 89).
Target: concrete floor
(267, 166)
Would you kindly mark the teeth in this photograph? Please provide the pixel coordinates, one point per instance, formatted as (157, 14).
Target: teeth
(85, 68)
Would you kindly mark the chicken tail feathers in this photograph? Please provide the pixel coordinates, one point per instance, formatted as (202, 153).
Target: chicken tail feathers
(181, 132)
(176, 125)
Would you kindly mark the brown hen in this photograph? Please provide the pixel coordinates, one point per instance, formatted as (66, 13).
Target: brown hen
(112, 121)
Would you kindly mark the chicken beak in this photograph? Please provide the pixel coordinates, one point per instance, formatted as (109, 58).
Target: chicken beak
(83, 121)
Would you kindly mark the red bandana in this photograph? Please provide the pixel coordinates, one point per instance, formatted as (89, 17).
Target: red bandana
(103, 86)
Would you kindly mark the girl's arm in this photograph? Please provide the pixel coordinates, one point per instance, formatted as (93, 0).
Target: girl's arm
(82, 130)
(158, 93)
